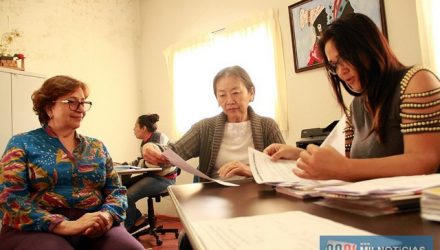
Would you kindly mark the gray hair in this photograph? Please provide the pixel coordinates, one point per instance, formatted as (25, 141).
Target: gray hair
(236, 71)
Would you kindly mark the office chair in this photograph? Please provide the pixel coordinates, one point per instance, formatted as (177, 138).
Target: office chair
(151, 218)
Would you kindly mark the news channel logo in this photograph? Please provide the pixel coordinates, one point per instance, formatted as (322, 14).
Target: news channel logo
(418, 242)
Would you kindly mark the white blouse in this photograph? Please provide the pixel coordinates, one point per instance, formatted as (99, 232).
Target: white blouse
(236, 140)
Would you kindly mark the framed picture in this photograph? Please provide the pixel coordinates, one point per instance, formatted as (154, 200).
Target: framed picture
(310, 18)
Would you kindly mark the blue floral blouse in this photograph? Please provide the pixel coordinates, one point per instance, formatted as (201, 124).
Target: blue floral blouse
(37, 175)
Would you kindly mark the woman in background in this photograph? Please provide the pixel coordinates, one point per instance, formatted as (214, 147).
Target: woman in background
(58, 188)
(394, 120)
(141, 186)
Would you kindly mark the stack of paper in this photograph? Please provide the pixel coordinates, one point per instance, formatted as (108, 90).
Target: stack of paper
(430, 204)
(280, 174)
(306, 189)
(379, 196)
(373, 206)
(266, 171)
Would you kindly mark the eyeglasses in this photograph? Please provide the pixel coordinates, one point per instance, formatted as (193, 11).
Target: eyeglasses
(74, 105)
(333, 66)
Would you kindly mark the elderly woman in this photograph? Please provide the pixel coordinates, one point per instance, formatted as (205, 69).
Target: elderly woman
(58, 188)
(221, 142)
(393, 126)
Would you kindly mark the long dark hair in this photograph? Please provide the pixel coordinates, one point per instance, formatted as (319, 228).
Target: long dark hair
(360, 43)
(148, 121)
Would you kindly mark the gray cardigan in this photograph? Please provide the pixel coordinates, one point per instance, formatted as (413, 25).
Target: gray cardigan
(204, 138)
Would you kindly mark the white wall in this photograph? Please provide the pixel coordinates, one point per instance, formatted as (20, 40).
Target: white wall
(97, 42)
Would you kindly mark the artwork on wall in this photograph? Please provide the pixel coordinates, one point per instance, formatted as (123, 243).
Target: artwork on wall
(310, 18)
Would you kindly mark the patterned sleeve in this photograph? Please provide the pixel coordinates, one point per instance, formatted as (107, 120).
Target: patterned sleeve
(19, 211)
(349, 133)
(115, 194)
(420, 112)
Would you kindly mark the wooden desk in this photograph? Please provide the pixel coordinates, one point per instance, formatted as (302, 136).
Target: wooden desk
(204, 201)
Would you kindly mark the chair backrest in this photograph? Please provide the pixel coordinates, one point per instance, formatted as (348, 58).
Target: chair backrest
(196, 179)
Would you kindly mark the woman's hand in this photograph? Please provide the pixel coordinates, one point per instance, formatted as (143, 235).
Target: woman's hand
(93, 232)
(322, 163)
(282, 151)
(90, 224)
(154, 156)
(234, 168)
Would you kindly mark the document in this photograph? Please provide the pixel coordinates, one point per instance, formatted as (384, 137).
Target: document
(265, 170)
(290, 230)
(176, 160)
(336, 138)
(129, 169)
(386, 186)
(125, 167)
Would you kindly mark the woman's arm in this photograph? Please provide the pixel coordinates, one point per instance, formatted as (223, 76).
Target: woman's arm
(186, 147)
(115, 195)
(19, 210)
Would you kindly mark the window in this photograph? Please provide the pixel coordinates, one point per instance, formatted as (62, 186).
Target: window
(427, 12)
(254, 44)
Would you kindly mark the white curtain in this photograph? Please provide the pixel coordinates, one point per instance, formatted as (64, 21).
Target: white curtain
(254, 44)
(429, 20)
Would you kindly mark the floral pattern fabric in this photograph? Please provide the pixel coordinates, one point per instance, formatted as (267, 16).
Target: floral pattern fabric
(38, 175)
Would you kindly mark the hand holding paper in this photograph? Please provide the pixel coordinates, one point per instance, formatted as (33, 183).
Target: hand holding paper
(176, 160)
(265, 170)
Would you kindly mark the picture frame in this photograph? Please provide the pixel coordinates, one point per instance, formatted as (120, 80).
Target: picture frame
(309, 18)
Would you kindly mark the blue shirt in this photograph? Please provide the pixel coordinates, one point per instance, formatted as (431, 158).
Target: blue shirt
(38, 174)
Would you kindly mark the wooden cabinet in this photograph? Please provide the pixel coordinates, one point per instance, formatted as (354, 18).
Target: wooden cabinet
(17, 116)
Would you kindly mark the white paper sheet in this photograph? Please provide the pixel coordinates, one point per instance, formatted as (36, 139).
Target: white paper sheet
(125, 167)
(336, 138)
(264, 170)
(385, 186)
(128, 169)
(176, 160)
(290, 230)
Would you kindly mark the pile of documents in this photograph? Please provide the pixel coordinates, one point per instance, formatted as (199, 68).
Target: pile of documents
(373, 205)
(280, 175)
(379, 196)
(306, 189)
(430, 204)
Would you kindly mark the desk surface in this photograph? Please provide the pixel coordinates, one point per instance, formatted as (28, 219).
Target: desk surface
(204, 201)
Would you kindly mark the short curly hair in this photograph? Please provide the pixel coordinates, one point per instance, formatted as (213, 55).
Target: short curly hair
(52, 89)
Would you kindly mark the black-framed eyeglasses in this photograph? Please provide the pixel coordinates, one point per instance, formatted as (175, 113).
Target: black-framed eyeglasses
(74, 104)
(333, 66)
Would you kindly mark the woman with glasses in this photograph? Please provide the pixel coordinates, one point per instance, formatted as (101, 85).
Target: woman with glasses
(394, 119)
(58, 189)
